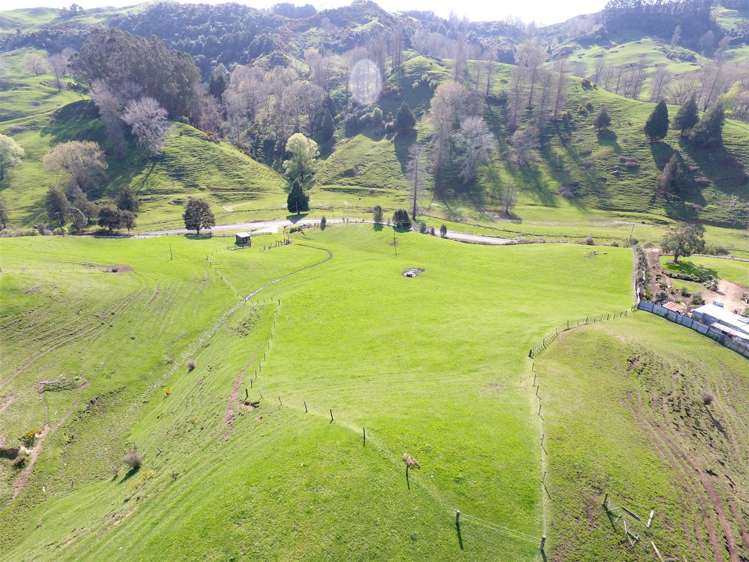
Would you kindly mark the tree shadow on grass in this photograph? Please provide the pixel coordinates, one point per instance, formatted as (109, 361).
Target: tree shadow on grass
(403, 143)
(129, 474)
(661, 152)
(720, 167)
(75, 121)
(534, 182)
(560, 172)
(609, 139)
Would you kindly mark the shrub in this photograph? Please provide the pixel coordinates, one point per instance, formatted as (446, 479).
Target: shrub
(29, 438)
(588, 241)
(697, 299)
(443, 231)
(377, 214)
(422, 228)
(401, 220)
(133, 458)
(323, 223)
(191, 364)
(707, 398)
(685, 292)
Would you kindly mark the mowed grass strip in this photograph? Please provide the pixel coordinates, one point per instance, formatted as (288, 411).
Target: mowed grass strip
(434, 366)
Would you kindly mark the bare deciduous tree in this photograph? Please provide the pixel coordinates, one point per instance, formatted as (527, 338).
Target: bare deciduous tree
(109, 107)
(36, 64)
(478, 143)
(148, 122)
(81, 164)
(661, 78)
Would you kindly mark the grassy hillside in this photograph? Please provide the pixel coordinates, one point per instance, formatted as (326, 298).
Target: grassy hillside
(451, 391)
(191, 164)
(638, 430)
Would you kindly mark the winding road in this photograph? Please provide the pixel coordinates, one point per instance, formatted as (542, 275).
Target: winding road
(273, 226)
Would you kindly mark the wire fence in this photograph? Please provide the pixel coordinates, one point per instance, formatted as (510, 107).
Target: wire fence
(548, 339)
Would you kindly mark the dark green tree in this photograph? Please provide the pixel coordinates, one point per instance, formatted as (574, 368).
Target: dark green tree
(110, 218)
(443, 231)
(127, 219)
(687, 116)
(602, 120)
(709, 131)
(3, 215)
(674, 176)
(198, 215)
(57, 206)
(377, 214)
(404, 119)
(323, 125)
(656, 126)
(127, 201)
(297, 201)
(401, 220)
(684, 240)
(323, 223)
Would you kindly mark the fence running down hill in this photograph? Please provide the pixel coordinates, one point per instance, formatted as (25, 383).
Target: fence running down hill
(570, 324)
(724, 339)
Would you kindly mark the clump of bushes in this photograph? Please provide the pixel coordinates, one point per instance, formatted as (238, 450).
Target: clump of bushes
(697, 299)
(29, 438)
(401, 220)
(133, 459)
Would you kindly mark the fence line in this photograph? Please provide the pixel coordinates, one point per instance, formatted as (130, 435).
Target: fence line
(687, 321)
(548, 339)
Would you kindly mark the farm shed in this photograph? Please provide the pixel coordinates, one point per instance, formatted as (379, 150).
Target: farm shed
(242, 239)
(715, 316)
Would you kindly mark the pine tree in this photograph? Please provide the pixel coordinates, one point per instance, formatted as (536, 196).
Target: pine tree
(688, 115)
(602, 120)
(709, 131)
(401, 220)
(673, 177)
(656, 126)
(404, 120)
(297, 201)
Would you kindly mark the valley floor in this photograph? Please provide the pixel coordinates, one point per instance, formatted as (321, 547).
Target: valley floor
(275, 392)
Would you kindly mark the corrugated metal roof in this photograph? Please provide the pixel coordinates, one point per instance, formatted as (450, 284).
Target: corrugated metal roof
(724, 317)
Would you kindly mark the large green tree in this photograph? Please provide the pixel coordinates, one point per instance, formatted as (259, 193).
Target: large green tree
(11, 154)
(198, 215)
(687, 116)
(301, 165)
(57, 206)
(684, 240)
(709, 131)
(656, 126)
(122, 60)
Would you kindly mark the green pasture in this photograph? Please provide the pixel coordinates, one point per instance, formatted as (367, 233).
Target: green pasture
(434, 366)
(624, 416)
